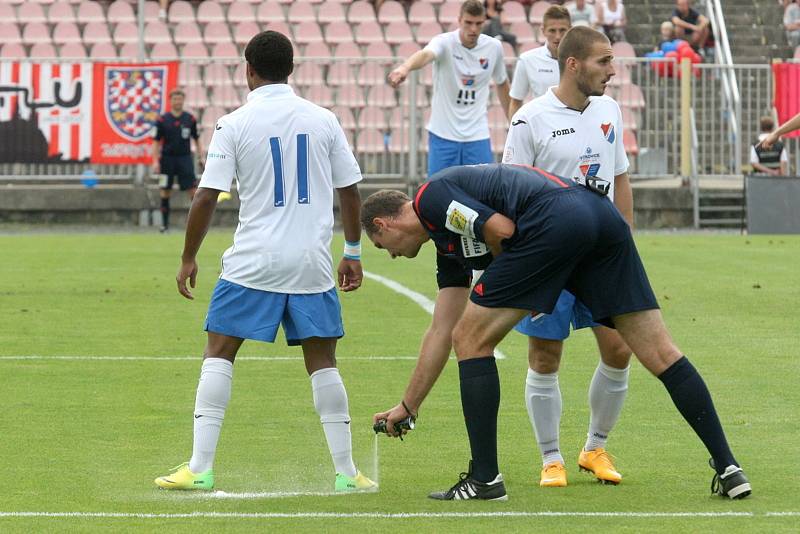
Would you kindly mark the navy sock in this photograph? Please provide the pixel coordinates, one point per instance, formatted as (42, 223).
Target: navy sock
(480, 400)
(693, 400)
(165, 212)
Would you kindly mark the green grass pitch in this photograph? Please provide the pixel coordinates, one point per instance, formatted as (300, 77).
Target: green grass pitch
(89, 435)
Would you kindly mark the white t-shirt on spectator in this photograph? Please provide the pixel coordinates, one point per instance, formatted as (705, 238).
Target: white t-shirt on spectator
(584, 17)
(754, 155)
(461, 79)
(537, 71)
(566, 142)
(287, 155)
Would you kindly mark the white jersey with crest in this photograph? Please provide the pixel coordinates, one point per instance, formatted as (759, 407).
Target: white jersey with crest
(287, 156)
(567, 142)
(536, 71)
(461, 79)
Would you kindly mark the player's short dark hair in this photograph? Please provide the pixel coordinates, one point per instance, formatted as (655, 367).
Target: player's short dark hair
(556, 12)
(384, 203)
(473, 8)
(271, 55)
(177, 91)
(767, 123)
(577, 43)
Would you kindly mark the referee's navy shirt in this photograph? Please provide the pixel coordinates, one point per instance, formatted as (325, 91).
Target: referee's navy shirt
(175, 133)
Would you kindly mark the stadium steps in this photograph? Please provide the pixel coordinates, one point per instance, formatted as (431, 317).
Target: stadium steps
(722, 209)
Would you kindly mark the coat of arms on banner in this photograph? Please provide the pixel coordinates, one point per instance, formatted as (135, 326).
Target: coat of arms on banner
(134, 99)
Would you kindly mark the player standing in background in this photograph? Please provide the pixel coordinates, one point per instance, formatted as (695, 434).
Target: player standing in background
(574, 130)
(287, 155)
(172, 152)
(464, 62)
(537, 69)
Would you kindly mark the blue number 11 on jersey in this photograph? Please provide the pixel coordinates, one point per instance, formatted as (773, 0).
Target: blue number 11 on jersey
(302, 169)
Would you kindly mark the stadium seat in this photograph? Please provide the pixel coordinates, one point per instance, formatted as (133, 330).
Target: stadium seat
(426, 76)
(368, 32)
(180, 11)
(318, 50)
(210, 116)
(537, 12)
(301, 12)
(372, 73)
(330, 12)
(72, 51)
(524, 31)
(244, 31)
(225, 50)
(239, 75)
(279, 26)
(156, 32)
(10, 32)
(350, 95)
(196, 97)
(322, 95)
(189, 74)
(187, 33)
(421, 12)
(360, 11)
(130, 51)
(90, 12)
(308, 73)
(30, 12)
(630, 95)
(623, 49)
(151, 10)
(307, 32)
(66, 32)
(513, 12)
(405, 99)
(398, 32)
(118, 11)
(448, 14)
(348, 50)
(35, 32)
(102, 50)
(7, 13)
(508, 50)
(371, 141)
(12, 50)
(629, 119)
(216, 32)
(622, 76)
(524, 47)
(629, 141)
(217, 74)
(269, 12)
(43, 51)
(338, 32)
(372, 117)
(96, 32)
(162, 50)
(209, 11)
(227, 96)
(345, 116)
(240, 12)
(427, 31)
(380, 50)
(404, 50)
(341, 73)
(58, 12)
(383, 96)
(391, 11)
(193, 51)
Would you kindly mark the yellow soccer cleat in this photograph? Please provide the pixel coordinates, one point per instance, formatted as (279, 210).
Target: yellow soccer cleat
(359, 482)
(599, 463)
(183, 479)
(554, 475)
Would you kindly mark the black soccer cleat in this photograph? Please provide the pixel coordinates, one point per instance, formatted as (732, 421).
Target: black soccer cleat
(732, 483)
(468, 488)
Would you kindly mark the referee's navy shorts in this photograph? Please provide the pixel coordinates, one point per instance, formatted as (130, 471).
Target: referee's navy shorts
(571, 239)
(180, 167)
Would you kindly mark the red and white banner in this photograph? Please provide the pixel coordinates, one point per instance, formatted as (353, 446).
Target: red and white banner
(129, 99)
(787, 92)
(102, 112)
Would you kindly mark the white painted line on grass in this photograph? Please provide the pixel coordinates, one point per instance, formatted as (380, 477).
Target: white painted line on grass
(196, 358)
(380, 515)
(421, 300)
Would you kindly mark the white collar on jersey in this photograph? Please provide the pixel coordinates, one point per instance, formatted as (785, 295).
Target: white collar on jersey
(271, 90)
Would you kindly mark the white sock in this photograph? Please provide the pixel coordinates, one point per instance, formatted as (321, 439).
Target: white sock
(213, 394)
(543, 400)
(330, 401)
(606, 397)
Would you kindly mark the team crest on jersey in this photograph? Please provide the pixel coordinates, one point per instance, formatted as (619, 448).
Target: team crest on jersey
(134, 99)
(589, 170)
(608, 132)
(468, 81)
(484, 63)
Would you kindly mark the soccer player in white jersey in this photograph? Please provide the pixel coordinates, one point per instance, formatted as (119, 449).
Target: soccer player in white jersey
(464, 62)
(287, 156)
(537, 69)
(574, 130)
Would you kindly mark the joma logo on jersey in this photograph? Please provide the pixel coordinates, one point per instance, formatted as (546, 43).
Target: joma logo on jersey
(564, 131)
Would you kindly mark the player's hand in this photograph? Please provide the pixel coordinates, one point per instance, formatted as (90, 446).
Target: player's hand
(395, 415)
(350, 275)
(768, 141)
(188, 270)
(398, 76)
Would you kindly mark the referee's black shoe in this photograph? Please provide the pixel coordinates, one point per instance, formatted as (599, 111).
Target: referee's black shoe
(732, 483)
(468, 488)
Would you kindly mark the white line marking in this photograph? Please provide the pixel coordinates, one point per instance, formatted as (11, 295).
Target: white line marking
(424, 302)
(196, 358)
(379, 515)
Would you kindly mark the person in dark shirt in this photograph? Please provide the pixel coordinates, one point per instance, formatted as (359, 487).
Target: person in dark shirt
(535, 234)
(690, 24)
(172, 153)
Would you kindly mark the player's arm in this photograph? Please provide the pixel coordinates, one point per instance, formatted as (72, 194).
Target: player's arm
(496, 229)
(200, 213)
(416, 61)
(520, 145)
(520, 86)
(784, 163)
(433, 354)
(505, 100)
(702, 22)
(788, 126)
(623, 197)
(350, 273)
(763, 169)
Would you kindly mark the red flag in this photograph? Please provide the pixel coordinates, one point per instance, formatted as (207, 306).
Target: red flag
(787, 92)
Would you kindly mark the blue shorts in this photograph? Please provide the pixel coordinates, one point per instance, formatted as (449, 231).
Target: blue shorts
(239, 311)
(555, 326)
(444, 153)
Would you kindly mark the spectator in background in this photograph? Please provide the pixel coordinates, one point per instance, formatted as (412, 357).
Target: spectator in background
(791, 23)
(494, 26)
(667, 33)
(788, 126)
(163, 5)
(773, 160)
(611, 18)
(581, 14)
(690, 24)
